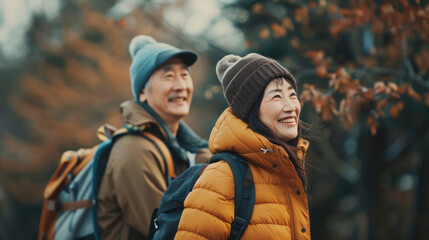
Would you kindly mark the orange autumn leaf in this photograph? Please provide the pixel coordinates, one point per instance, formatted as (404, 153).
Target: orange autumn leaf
(332, 9)
(312, 4)
(426, 98)
(374, 129)
(317, 105)
(321, 71)
(393, 86)
(287, 23)
(381, 103)
(264, 33)
(342, 72)
(305, 96)
(326, 114)
(413, 94)
(338, 26)
(345, 106)
(247, 43)
(394, 111)
(257, 8)
(384, 78)
(333, 79)
(396, 108)
(333, 109)
(279, 31)
(315, 56)
(379, 87)
(301, 15)
(403, 89)
(422, 61)
(294, 42)
(372, 123)
(122, 22)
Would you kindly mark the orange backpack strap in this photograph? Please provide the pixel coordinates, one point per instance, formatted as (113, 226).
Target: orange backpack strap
(105, 132)
(71, 161)
(169, 164)
(160, 145)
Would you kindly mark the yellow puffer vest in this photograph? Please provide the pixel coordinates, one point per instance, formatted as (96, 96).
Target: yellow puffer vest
(280, 211)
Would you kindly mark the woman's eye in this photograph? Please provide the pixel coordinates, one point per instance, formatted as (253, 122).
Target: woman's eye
(293, 94)
(277, 96)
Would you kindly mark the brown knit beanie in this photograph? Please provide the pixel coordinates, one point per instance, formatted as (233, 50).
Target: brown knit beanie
(244, 80)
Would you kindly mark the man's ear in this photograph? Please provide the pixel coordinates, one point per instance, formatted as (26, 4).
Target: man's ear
(143, 96)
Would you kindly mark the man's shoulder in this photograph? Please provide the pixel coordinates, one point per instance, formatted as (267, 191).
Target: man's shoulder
(132, 148)
(133, 139)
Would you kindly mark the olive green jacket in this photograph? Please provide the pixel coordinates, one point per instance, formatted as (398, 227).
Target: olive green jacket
(134, 180)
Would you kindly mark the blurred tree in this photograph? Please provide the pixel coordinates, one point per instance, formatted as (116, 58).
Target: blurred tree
(368, 72)
(73, 80)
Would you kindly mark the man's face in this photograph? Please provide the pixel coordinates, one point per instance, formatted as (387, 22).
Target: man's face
(170, 90)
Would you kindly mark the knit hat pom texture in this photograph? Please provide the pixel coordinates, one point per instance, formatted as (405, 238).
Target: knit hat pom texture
(138, 43)
(225, 64)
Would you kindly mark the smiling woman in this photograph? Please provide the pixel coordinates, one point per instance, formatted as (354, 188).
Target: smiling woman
(262, 126)
(280, 109)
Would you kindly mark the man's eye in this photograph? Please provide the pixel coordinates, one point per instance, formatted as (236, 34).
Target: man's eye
(293, 94)
(277, 96)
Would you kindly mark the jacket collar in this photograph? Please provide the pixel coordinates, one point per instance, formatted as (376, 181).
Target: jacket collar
(139, 116)
(231, 134)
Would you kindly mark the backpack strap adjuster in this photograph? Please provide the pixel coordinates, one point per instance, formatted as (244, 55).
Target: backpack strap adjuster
(238, 227)
(55, 206)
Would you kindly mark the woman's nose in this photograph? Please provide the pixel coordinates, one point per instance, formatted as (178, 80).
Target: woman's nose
(288, 105)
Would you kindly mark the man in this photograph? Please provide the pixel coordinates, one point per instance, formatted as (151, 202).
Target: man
(134, 180)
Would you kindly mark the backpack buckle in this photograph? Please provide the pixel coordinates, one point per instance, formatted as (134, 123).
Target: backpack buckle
(53, 206)
(155, 223)
(237, 227)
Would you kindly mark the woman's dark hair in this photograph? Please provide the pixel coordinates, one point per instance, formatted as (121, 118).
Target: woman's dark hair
(290, 146)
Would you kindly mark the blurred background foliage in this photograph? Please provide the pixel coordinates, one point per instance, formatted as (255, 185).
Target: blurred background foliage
(362, 68)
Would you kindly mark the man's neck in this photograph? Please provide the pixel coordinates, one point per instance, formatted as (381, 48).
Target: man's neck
(173, 126)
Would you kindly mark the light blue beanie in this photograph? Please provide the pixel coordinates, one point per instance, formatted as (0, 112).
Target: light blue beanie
(148, 55)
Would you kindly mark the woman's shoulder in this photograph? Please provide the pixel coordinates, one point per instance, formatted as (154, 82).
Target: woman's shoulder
(217, 177)
(220, 167)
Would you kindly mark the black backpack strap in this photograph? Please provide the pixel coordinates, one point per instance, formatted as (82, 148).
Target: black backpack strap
(244, 192)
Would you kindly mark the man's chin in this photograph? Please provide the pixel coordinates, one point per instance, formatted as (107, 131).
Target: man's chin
(179, 113)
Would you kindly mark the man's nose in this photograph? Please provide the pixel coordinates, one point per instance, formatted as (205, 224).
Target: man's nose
(179, 82)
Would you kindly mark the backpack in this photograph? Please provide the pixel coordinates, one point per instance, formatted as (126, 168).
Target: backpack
(165, 219)
(69, 208)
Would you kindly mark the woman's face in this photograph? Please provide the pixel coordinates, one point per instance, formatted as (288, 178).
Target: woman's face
(280, 109)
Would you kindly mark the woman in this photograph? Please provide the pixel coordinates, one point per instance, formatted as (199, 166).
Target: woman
(262, 126)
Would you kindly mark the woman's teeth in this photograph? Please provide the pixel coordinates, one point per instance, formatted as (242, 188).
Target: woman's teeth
(287, 120)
